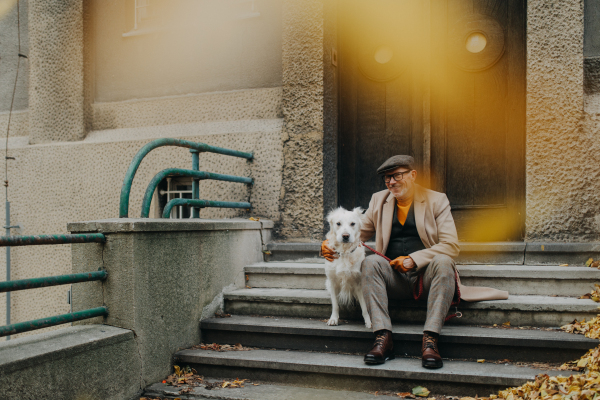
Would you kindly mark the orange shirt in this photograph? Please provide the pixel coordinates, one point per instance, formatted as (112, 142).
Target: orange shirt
(403, 209)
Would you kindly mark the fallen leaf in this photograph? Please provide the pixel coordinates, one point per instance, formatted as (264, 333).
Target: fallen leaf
(403, 394)
(589, 262)
(563, 265)
(507, 323)
(481, 360)
(420, 391)
(254, 219)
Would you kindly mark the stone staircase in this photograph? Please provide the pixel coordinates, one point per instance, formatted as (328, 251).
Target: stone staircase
(284, 307)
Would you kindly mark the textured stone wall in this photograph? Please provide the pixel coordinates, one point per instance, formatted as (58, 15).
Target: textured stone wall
(53, 184)
(56, 70)
(9, 49)
(562, 168)
(218, 106)
(302, 191)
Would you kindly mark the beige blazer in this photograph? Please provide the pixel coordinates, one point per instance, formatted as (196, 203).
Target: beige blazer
(436, 229)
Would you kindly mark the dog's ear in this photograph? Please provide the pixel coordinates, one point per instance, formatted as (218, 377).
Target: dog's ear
(359, 210)
(330, 216)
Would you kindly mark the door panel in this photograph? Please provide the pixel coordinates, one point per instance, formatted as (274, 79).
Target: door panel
(479, 148)
(475, 101)
(378, 113)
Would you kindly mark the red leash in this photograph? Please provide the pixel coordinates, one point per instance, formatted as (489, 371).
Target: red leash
(418, 289)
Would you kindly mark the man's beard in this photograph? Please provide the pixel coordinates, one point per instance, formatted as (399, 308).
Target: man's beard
(403, 190)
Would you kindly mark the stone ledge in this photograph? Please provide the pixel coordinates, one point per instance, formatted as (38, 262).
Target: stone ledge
(121, 225)
(92, 361)
(33, 350)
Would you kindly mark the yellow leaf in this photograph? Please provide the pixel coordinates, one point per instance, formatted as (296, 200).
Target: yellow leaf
(589, 262)
(225, 384)
(582, 363)
(420, 391)
(481, 360)
(177, 370)
(563, 265)
(507, 323)
(254, 219)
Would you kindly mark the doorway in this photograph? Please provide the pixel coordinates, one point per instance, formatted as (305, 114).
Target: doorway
(443, 81)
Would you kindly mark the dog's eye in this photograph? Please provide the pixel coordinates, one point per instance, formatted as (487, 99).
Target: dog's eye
(352, 224)
(338, 224)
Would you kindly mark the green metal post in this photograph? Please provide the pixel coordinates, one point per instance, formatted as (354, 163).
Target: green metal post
(195, 182)
(52, 321)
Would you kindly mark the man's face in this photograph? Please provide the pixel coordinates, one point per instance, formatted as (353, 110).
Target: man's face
(404, 185)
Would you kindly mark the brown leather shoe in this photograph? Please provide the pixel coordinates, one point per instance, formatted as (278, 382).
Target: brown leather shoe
(431, 355)
(383, 348)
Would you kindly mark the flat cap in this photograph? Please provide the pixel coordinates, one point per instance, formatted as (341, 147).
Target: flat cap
(395, 162)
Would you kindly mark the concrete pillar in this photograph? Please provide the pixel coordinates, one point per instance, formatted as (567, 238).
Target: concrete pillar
(302, 191)
(561, 200)
(56, 110)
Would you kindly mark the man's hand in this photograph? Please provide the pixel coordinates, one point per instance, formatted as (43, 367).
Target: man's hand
(403, 264)
(327, 252)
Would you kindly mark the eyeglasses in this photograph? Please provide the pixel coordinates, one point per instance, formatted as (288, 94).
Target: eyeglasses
(398, 176)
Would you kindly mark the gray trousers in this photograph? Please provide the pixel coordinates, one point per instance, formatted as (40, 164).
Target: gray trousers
(381, 282)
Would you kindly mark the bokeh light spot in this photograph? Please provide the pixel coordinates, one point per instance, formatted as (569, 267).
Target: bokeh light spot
(476, 42)
(383, 54)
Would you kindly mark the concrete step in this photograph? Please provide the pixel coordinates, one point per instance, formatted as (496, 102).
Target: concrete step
(517, 253)
(260, 391)
(465, 342)
(516, 279)
(519, 310)
(348, 372)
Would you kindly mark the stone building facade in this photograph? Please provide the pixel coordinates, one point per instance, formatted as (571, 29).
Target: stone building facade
(104, 77)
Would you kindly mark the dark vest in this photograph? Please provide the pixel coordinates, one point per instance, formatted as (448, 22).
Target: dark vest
(404, 239)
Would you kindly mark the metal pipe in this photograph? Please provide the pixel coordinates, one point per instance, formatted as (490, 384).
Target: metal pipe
(50, 239)
(203, 203)
(195, 182)
(137, 159)
(22, 284)
(52, 321)
(184, 172)
(7, 263)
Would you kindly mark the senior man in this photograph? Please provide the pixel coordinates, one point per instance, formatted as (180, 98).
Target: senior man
(414, 228)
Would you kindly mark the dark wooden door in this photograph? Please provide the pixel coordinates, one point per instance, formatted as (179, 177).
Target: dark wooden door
(454, 98)
(380, 93)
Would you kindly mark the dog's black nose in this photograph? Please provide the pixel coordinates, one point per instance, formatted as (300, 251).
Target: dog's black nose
(345, 238)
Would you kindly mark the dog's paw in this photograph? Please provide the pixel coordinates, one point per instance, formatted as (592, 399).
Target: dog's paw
(368, 324)
(332, 321)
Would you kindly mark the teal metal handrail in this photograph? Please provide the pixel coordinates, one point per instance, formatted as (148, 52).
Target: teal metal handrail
(203, 203)
(32, 325)
(24, 284)
(195, 148)
(184, 172)
(18, 240)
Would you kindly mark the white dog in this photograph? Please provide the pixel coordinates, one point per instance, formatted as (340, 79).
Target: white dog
(343, 274)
